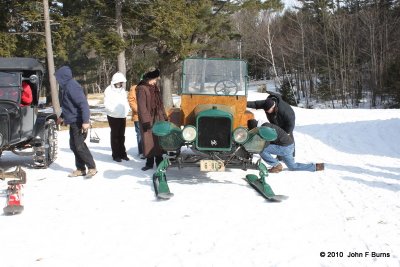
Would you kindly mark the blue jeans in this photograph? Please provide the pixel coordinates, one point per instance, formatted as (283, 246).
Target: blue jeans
(138, 137)
(286, 152)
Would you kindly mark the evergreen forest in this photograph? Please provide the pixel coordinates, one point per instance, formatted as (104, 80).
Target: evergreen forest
(339, 51)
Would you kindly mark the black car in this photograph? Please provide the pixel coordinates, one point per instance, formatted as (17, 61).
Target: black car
(24, 129)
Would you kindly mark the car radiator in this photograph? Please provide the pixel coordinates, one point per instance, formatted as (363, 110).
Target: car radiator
(214, 133)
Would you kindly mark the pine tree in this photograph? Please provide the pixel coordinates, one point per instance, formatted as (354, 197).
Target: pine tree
(287, 93)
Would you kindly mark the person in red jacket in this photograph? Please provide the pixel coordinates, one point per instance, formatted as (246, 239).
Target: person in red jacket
(26, 96)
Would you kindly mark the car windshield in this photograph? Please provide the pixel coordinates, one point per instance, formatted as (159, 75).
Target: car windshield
(9, 86)
(214, 76)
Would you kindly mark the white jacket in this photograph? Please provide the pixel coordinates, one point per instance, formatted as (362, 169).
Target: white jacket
(116, 102)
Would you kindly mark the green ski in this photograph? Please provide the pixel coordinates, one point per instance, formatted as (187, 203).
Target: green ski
(161, 188)
(262, 186)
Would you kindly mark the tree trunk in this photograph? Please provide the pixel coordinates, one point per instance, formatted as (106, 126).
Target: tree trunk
(328, 65)
(50, 61)
(303, 63)
(120, 31)
(167, 82)
(268, 41)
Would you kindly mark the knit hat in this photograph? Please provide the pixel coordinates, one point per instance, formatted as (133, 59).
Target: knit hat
(268, 103)
(151, 74)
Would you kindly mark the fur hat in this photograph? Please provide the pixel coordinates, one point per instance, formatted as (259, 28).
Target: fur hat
(151, 74)
(268, 103)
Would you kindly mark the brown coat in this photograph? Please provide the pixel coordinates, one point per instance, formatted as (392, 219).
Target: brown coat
(150, 110)
(133, 103)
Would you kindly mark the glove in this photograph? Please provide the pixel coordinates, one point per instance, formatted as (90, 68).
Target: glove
(251, 124)
(259, 104)
(146, 126)
(251, 104)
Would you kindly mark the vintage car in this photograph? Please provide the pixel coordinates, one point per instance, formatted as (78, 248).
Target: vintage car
(209, 129)
(25, 130)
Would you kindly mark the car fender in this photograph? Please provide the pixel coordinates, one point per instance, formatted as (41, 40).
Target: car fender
(40, 124)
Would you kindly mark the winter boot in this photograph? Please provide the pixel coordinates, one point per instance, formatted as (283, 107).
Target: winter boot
(319, 166)
(91, 173)
(145, 168)
(276, 169)
(77, 173)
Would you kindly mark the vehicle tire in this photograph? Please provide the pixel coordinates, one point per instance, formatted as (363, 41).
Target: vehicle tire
(46, 153)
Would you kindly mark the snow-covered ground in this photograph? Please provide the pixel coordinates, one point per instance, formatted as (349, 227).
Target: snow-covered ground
(217, 219)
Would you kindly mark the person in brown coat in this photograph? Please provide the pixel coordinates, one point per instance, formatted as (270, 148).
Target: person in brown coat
(150, 110)
(135, 118)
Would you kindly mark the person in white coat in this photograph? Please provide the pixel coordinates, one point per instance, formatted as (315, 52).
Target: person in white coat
(117, 108)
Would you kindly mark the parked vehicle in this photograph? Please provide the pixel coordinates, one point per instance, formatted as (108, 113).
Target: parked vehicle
(24, 129)
(209, 129)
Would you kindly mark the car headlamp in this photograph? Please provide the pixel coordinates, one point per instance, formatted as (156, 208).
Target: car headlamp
(240, 135)
(189, 133)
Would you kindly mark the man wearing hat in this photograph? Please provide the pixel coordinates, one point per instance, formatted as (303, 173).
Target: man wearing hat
(278, 112)
(150, 110)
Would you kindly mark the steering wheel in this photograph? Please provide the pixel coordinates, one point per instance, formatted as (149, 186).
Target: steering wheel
(226, 87)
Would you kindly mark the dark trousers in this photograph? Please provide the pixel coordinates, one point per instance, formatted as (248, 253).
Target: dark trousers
(83, 157)
(150, 161)
(138, 137)
(117, 138)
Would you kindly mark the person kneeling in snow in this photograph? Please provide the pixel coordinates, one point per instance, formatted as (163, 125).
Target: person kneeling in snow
(283, 146)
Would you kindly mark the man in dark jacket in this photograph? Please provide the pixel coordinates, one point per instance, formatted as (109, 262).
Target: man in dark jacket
(283, 146)
(278, 112)
(76, 114)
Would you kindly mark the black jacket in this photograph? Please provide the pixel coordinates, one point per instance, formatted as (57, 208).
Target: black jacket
(283, 139)
(283, 114)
